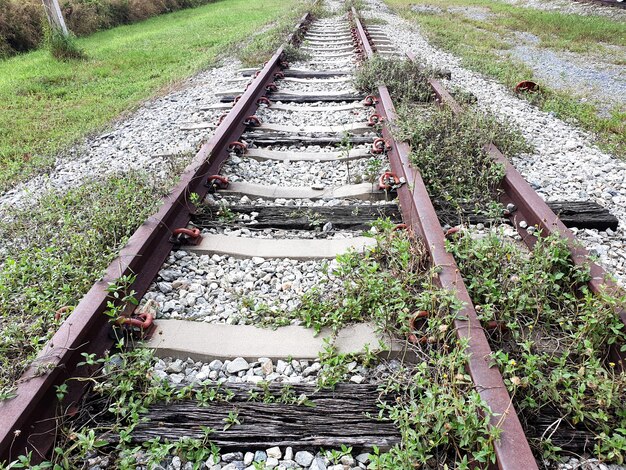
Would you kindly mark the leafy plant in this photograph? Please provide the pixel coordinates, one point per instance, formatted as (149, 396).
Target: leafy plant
(378, 285)
(555, 336)
(225, 214)
(231, 419)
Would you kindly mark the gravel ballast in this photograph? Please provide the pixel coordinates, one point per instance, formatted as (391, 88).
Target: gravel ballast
(223, 289)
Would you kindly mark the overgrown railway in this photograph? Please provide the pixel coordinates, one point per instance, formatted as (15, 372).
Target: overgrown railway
(299, 167)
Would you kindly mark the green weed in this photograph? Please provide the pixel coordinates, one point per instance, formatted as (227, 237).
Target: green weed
(553, 346)
(450, 153)
(406, 80)
(60, 250)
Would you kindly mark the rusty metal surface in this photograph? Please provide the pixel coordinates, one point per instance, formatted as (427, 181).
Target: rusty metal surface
(441, 93)
(28, 421)
(512, 450)
(362, 36)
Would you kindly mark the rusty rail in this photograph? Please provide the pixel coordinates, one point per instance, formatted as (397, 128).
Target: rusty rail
(29, 421)
(512, 449)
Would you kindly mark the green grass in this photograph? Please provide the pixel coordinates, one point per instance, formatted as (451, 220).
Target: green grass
(47, 104)
(66, 243)
(483, 45)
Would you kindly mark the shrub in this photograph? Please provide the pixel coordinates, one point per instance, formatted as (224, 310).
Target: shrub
(84, 18)
(20, 26)
(450, 153)
(141, 9)
(63, 46)
(406, 80)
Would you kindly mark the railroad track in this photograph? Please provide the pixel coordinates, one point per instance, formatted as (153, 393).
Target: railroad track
(296, 150)
(606, 3)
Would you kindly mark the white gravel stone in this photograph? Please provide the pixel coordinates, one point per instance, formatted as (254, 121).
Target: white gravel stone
(274, 452)
(237, 365)
(305, 173)
(304, 458)
(220, 289)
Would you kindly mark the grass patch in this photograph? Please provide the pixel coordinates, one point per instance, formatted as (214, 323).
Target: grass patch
(557, 30)
(554, 344)
(47, 104)
(405, 80)
(469, 176)
(66, 245)
(482, 46)
(63, 47)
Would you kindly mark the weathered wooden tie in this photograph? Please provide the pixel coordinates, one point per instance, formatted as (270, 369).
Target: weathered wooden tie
(343, 416)
(352, 217)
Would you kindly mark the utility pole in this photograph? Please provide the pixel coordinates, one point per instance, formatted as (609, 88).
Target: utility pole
(55, 17)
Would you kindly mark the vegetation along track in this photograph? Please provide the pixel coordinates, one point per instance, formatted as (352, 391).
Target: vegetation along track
(407, 368)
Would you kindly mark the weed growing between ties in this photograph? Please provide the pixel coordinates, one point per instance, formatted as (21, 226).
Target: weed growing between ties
(295, 54)
(379, 285)
(450, 153)
(441, 417)
(554, 343)
(406, 80)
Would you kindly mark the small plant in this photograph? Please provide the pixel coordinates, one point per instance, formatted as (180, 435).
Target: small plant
(295, 54)
(194, 198)
(121, 297)
(231, 419)
(335, 455)
(62, 46)
(345, 147)
(373, 169)
(225, 214)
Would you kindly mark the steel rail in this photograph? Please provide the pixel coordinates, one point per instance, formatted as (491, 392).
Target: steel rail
(533, 210)
(29, 421)
(512, 449)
